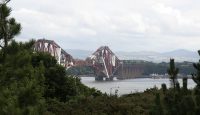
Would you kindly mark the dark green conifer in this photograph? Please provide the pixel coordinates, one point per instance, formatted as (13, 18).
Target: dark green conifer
(164, 88)
(196, 76)
(9, 28)
(185, 83)
(173, 71)
(178, 87)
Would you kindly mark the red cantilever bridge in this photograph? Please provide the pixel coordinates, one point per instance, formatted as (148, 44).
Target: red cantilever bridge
(104, 62)
(62, 57)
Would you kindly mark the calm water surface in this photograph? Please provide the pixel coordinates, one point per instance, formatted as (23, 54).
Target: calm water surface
(129, 85)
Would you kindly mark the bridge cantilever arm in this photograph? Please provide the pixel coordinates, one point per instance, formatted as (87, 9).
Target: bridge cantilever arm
(115, 70)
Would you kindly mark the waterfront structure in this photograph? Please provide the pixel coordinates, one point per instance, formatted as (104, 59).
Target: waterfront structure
(49, 46)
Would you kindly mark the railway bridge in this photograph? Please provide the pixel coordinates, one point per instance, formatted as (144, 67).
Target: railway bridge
(105, 63)
(49, 46)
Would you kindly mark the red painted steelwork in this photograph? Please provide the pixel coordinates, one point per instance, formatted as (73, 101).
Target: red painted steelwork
(63, 58)
(104, 61)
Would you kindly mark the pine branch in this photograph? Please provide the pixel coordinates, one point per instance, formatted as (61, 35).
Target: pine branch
(4, 2)
(7, 1)
(1, 46)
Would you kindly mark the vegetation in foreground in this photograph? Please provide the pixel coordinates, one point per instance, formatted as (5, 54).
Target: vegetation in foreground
(32, 83)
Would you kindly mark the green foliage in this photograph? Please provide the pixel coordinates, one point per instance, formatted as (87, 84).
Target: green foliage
(188, 105)
(81, 70)
(32, 82)
(45, 58)
(178, 87)
(157, 108)
(59, 86)
(185, 79)
(197, 111)
(173, 71)
(21, 85)
(185, 68)
(132, 104)
(196, 77)
(56, 82)
(9, 28)
(164, 88)
(177, 102)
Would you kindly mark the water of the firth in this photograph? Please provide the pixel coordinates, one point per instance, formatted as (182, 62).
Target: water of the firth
(129, 85)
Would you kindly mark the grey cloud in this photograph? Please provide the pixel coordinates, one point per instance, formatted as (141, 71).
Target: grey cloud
(126, 24)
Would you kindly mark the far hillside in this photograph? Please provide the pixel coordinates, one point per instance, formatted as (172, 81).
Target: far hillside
(180, 55)
(185, 68)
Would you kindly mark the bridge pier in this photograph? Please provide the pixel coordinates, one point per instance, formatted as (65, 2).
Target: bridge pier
(109, 79)
(104, 62)
(98, 78)
(101, 76)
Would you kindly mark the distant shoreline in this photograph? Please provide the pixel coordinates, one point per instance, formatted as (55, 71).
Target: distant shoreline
(137, 77)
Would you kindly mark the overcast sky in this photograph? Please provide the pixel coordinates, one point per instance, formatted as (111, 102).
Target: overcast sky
(123, 25)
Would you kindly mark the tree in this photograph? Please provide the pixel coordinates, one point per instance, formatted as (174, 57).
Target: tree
(185, 79)
(4, 2)
(164, 88)
(157, 108)
(173, 71)
(9, 28)
(21, 84)
(196, 76)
